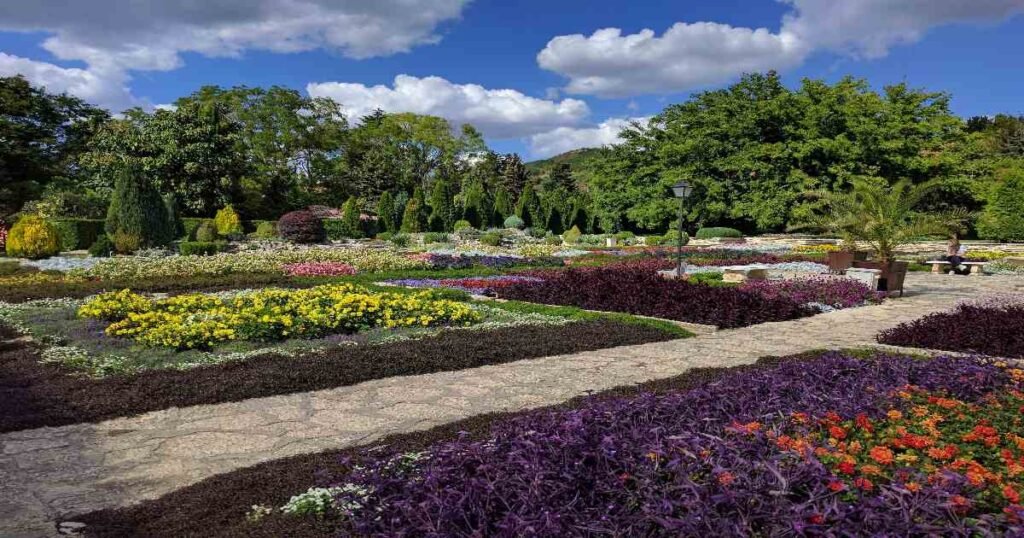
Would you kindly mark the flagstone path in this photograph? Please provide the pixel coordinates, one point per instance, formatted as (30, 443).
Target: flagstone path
(49, 474)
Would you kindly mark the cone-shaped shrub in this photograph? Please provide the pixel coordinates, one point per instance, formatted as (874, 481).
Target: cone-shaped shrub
(228, 223)
(137, 211)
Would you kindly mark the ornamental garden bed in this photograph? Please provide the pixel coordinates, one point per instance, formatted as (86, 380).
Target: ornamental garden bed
(989, 326)
(122, 353)
(835, 444)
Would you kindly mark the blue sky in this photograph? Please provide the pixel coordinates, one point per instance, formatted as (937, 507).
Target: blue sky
(455, 57)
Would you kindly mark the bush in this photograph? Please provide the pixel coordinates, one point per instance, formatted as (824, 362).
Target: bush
(206, 233)
(411, 217)
(126, 242)
(33, 237)
(624, 237)
(435, 237)
(335, 229)
(400, 240)
(552, 239)
(102, 247)
(201, 248)
(1003, 218)
(352, 226)
(265, 230)
(138, 212)
(174, 215)
(572, 236)
(228, 223)
(990, 327)
(671, 238)
(514, 222)
(537, 233)
(462, 225)
(301, 227)
(77, 234)
(190, 226)
(384, 236)
(718, 232)
(491, 239)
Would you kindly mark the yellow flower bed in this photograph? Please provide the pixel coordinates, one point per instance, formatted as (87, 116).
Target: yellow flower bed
(811, 249)
(200, 320)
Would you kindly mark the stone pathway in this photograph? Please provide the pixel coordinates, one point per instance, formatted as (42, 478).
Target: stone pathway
(50, 473)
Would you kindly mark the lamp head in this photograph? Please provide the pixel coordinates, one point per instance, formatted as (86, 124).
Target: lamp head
(683, 189)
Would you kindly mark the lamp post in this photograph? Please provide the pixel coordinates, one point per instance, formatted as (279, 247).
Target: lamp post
(682, 190)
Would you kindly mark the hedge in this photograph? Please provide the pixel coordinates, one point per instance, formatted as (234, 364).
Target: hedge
(201, 248)
(192, 224)
(715, 232)
(77, 234)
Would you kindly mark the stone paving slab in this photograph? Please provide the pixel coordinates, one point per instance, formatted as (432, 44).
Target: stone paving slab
(52, 473)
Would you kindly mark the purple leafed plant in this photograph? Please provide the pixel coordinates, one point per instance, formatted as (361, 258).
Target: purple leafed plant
(636, 288)
(996, 330)
(478, 285)
(672, 464)
(834, 292)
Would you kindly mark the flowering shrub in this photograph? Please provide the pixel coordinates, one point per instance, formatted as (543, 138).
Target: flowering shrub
(3, 236)
(992, 327)
(479, 285)
(201, 320)
(635, 288)
(816, 249)
(757, 453)
(319, 269)
(270, 261)
(301, 227)
(826, 292)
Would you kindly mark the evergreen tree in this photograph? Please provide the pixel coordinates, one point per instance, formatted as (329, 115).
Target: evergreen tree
(137, 211)
(401, 200)
(442, 208)
(350, 218)
(503, 207)
(422, 213)
(554, 222)
(515, 175)
(411, 217)
(386, 212)
(174, 215)
(474, 205)
(528, 208)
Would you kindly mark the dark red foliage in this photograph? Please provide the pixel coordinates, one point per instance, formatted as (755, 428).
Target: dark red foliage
(636, 288)
(301, 227)
(997, 331)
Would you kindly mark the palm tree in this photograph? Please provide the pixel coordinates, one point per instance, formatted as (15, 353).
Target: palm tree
(883, 216)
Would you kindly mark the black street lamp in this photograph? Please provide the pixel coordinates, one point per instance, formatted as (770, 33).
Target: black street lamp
(682, 190)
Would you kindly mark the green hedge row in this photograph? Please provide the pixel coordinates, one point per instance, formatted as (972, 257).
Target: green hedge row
(77, 234)
(714, 232)
(191, 224)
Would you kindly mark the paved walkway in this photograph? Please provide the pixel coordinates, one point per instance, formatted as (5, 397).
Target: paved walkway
(50, 473)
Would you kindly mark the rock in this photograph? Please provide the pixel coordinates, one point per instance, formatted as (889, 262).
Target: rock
(743, 274)
(70, 528)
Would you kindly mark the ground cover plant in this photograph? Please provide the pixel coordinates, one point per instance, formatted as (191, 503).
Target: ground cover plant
(836, 444)
(39, 393)
(824, 294)
(636, 288)
(481, 285)
(991, 326)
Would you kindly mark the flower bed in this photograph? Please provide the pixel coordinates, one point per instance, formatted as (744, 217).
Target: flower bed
(270, 261)
(837, 445)
(200, 321)
(465, 260)
(823, 294)
(319, 269)
(476, 285)
(993, 326)
(636, 288)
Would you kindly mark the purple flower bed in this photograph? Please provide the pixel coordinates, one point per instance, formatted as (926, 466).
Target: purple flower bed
(636, 288)
(449, 261)
(704, 462)
(830, 292)
(996, 330)
(478, 285)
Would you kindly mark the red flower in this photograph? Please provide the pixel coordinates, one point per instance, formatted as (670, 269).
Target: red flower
(881, 455)
(863, 483)
(837, 432)
(816, 519)
(1011, 494)
(863, 422)
(726, 478)
(959, 503)
(847, 467)
(836, 486)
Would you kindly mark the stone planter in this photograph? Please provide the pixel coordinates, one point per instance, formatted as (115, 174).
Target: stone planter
(841, 260)
(891, 277)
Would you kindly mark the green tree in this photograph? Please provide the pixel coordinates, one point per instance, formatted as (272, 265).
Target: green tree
(174, 215)
(1003, 218)
(350, 218)
(411, 217)
(514, 175)
(503, 207)
(137, 211)
(386, 212)
(41, 137)
(529, 208)
(442, 207)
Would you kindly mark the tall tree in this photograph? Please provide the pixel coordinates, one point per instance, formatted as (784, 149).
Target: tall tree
(514, 175)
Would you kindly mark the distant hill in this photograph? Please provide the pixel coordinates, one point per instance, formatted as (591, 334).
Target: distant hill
(584, 163)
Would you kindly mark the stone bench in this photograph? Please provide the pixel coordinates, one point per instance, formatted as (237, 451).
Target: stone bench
(977, 268)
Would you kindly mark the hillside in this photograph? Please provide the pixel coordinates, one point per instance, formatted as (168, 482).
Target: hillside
(584, 162)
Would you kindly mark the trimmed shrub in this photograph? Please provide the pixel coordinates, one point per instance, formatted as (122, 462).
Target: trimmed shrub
(126, 242)
(463, 225)
(514, 222)
(537, 233)
(190, 226)
(552, 239)
(102, 247)
(625, 236)
(435, 237)
(400, 240)
(138, 212)
(671, 238)
(265, 230)
(301, 227)
(206, 232)
(573, 235)
(352, 227)
(386, 212)
(335, 229)
(228, 222)
(384, 236)
(411, 217)
(33, 237)
(201, 248)
(77, 234)
(491, 239)
(718, 232)
(1003, 218)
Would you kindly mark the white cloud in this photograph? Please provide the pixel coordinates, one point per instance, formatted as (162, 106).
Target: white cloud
(564, 139)
(610, 64)
(114, 37)
(497, 113)
(91, 85)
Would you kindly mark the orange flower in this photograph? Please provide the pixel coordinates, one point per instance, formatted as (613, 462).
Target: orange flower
(945, 453)
(959, 503)
(748, 428)
(870, 470)
(894, 414)
(1011, 495)
(863, 483)
(881, 455)
(913, 487)
(800, 418)
(863, 422)
(836, 486)
(847, 467)
(836, 432)
(726, 478)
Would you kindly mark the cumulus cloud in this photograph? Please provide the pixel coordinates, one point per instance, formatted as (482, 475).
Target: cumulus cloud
(114, 37)
(92, 85)
(610, 64)
(564, 139)
(497, 113)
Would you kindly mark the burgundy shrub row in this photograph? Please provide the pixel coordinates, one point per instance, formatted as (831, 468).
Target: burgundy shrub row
(636, 288)
(997, 331)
